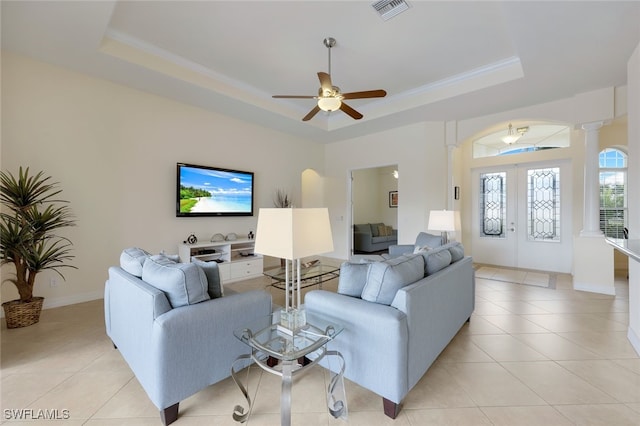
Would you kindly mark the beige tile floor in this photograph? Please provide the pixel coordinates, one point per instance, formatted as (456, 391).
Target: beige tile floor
(529, 356)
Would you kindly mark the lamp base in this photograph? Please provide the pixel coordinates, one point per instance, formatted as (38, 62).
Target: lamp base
(445, 237)
(292, 320)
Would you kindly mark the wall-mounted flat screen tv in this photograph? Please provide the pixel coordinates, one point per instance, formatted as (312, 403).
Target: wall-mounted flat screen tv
(213, 191)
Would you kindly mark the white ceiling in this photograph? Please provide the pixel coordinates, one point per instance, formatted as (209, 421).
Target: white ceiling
(440, 60)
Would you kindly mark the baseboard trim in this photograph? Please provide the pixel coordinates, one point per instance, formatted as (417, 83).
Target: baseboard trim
(634, 339)
(56, 302)
(595, 288)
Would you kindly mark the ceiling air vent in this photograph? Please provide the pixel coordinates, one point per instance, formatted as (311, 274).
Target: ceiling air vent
(387, 9)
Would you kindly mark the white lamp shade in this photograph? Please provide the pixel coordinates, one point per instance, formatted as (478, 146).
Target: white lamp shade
(444, 220)
(293, 233)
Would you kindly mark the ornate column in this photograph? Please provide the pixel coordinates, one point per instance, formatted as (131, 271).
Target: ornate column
(591, 211)
(596, 277)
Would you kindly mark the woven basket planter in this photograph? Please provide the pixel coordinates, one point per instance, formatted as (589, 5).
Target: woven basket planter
(22, 314)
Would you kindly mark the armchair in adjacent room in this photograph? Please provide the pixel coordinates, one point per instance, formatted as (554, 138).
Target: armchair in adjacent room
(422, 240)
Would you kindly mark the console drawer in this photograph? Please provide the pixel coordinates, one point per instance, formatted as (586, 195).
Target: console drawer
(246, 268)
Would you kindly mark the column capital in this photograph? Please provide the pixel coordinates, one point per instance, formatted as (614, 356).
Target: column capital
(595, 125)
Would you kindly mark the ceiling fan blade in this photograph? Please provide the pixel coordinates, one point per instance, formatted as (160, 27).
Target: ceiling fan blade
(313, 112)
(325, 81)
(350, 111)
(366, 94)
(293, 97)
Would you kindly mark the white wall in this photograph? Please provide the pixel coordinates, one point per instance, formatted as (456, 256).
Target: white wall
(421, 156)
(114, 151)
(633, 82)
(370, 196)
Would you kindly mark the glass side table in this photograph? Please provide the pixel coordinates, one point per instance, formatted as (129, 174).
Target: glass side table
(289, 355)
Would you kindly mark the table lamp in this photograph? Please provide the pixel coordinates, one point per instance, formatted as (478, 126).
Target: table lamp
(444, 221)
(292, 234)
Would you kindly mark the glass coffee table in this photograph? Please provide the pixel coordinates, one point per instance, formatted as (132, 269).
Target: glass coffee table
(288, 355)
(315, 274)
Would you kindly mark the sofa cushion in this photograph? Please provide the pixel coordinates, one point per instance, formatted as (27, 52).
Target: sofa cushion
(385, 278)
(132, 259)
(353, 277)
(183, 283)
(435, 259)
(375, 229)
(427, 240)
(379, 240)
(215, 288)
(172, 257)
(363, 228)
(456, 249)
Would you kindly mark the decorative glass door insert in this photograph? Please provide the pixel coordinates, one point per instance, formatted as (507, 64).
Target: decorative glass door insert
(521, 216)
(493, 196)
(543, 204)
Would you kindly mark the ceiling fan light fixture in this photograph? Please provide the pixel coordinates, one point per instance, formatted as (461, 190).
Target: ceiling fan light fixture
(329, 103)
(329, 96)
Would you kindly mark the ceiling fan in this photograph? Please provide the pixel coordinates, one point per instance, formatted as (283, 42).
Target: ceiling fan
(330, 98)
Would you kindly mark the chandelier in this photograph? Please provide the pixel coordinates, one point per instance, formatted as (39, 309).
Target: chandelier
(513, 136)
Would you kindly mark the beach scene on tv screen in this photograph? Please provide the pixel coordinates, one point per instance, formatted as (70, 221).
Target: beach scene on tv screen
(214, 191)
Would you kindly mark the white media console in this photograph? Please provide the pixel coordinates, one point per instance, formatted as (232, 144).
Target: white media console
(236, 259)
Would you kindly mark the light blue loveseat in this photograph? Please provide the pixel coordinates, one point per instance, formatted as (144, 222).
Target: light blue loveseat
(415, 304)
(175, 351)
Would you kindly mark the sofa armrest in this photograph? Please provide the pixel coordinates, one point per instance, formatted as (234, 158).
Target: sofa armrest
(131, 305)
(374, 340)
(436, 307)
(194, 346)
(361, 238)
(396, 250)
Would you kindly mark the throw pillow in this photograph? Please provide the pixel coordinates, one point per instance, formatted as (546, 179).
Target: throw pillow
(384, 279)
(132, 259)
(435, 260)
(215, 288)
(389, 230)
(382, 231)
(419, 249)
(183, 283)
(456, 249)
(353, 277)
(172, 257)
(375, 230)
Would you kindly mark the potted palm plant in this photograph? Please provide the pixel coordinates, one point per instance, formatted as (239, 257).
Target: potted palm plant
(30, 219)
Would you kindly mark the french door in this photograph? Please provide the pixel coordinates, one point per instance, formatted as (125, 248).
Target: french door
(521, 216)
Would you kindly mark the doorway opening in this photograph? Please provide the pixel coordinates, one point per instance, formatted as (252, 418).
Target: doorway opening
(374, 209)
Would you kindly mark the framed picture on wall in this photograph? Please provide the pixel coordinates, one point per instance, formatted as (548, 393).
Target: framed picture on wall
(393, 198)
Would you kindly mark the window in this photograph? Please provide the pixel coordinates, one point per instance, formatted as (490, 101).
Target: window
(536, 137)
(613, 194)
(543, 204)
(493, 194)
